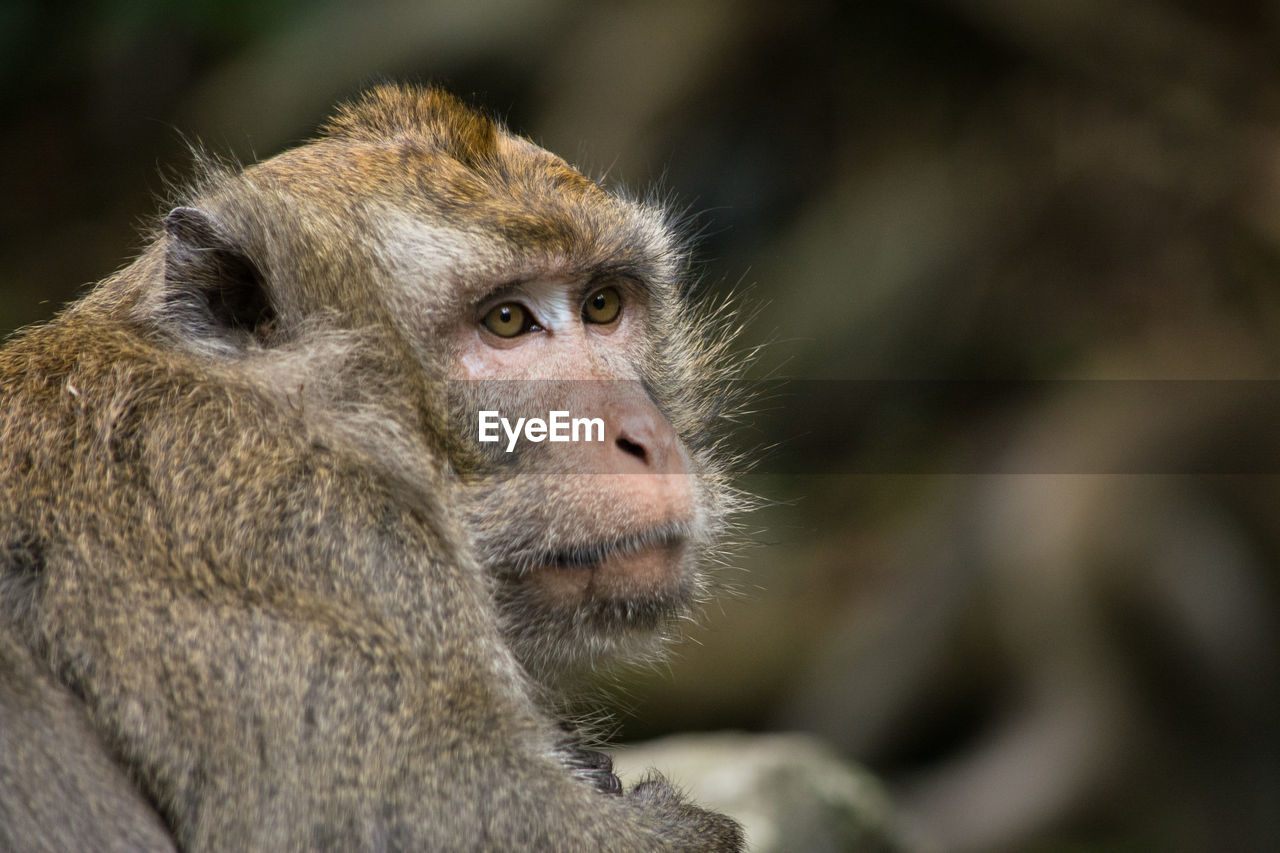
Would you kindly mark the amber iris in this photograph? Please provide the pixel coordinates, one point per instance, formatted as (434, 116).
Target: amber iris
(603, 306)
(506, 320)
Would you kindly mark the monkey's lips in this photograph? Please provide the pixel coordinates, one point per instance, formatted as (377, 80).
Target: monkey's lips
(640, 566)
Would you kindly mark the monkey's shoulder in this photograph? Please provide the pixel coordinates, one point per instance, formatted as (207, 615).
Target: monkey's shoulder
(102, 418)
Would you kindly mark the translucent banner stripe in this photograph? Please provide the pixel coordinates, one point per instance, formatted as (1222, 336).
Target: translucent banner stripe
(807, 427)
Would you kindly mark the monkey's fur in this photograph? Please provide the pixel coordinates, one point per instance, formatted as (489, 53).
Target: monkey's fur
(256, 589)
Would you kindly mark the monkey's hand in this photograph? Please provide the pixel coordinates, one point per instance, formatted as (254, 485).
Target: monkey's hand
(686, 825)
(593, 767)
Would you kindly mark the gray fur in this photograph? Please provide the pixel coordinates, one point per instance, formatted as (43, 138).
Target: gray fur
(244, 603)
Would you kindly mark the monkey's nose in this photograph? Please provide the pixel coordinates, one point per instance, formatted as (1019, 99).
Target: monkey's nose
(626, 445)
(644, 435)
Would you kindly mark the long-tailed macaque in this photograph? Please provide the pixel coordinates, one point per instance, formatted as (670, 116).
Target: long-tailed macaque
(262, 587)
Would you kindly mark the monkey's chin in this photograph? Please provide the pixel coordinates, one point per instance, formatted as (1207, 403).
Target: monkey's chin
(647, 568)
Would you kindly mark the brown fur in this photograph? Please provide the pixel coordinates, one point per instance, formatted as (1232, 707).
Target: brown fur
(240, 532)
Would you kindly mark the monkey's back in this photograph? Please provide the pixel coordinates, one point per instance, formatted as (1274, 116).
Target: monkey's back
(149, 502)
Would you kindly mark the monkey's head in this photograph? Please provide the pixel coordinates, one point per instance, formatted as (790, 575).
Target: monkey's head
(477, 273)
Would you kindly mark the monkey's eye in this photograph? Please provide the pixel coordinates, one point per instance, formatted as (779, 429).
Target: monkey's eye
(603, 306)
(508, 320)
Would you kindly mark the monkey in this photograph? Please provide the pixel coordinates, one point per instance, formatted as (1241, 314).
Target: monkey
(262, 588)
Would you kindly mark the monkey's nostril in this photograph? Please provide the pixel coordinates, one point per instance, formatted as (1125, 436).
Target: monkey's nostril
(636, 450)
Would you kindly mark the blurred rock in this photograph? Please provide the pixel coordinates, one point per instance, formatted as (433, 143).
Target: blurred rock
(789, 790)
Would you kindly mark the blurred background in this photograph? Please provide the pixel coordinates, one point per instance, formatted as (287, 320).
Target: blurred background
(1020, 261)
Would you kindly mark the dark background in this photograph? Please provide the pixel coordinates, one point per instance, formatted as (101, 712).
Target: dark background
(1047, 616)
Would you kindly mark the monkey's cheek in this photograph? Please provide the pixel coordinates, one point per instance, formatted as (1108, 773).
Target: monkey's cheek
(655, 572)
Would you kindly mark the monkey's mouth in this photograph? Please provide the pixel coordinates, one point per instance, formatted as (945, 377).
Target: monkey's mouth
(640, 565)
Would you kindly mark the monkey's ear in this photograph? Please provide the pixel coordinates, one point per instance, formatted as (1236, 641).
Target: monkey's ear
(210, 281)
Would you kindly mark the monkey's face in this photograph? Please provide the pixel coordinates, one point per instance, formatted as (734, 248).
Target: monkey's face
(533, 291)
(472, 260)
(593, 528)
